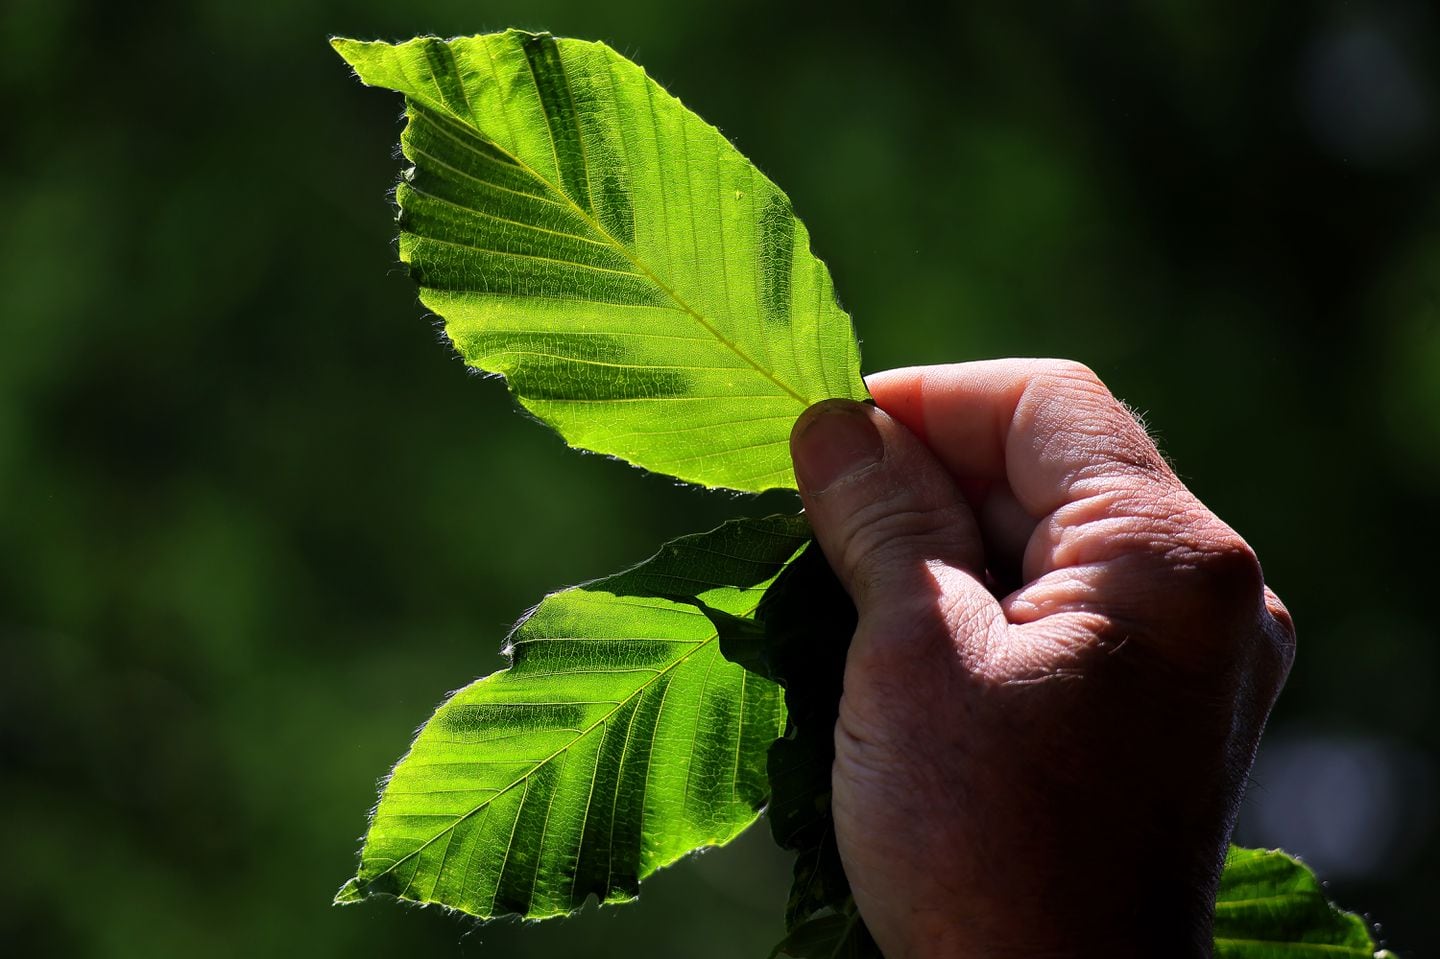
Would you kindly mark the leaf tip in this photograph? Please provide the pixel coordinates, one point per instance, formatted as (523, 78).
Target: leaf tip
(344, 46)
(366, 57)
(349, 893)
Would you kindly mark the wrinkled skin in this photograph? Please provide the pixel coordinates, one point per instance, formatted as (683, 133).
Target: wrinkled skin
(1062, 667)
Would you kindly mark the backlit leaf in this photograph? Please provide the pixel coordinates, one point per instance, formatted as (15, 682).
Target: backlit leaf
(618, 740)
(642, 287)
(1271, 907)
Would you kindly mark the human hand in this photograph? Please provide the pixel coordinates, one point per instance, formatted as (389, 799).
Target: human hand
(1051, 773)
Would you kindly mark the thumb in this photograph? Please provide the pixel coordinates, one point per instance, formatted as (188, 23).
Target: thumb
(882, 507)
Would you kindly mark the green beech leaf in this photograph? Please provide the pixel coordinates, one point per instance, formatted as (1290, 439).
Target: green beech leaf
(1271, 907)
(641, 286)
(618, 740)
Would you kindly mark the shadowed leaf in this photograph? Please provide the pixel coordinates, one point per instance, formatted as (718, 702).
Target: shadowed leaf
(799, 639)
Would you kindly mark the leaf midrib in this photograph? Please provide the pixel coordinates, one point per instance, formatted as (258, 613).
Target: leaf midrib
(609, 239)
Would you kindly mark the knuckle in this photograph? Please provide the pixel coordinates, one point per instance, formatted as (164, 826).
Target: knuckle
(1280, 631)
(1074, 380)
(1247, 623)
(1093, 428)
(1284, 622)
(1071, 371)
(1227, 570)
(1227, 624)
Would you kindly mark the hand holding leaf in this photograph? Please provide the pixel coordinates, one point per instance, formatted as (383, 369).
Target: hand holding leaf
(647, 292)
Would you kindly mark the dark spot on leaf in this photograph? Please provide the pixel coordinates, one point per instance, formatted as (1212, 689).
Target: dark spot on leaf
(577, 654)
(777, 248)
(482, 719)
(545, 377)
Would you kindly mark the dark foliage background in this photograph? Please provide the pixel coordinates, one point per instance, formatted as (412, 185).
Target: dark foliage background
(254, 522)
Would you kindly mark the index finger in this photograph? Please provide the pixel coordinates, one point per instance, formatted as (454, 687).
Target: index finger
(1049, 428)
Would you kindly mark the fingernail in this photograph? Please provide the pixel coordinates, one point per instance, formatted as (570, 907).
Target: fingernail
(833, 440)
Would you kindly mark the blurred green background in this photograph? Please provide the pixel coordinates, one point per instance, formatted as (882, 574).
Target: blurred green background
(256, 521)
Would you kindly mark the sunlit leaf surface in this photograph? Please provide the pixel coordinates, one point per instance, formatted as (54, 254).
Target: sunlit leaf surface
(642, 287)
(1271, 907)
(618, 740)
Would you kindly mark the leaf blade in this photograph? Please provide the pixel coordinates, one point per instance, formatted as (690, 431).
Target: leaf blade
(1270, 906)
(610, 254)
(617, 740)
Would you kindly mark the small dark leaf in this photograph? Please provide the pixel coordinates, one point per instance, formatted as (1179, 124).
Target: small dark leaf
(807, 621)
(830, 935)
(742, 641)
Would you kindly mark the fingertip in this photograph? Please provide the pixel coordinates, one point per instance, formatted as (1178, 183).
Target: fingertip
(879, 503)
(901, 394)
(832, 440)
